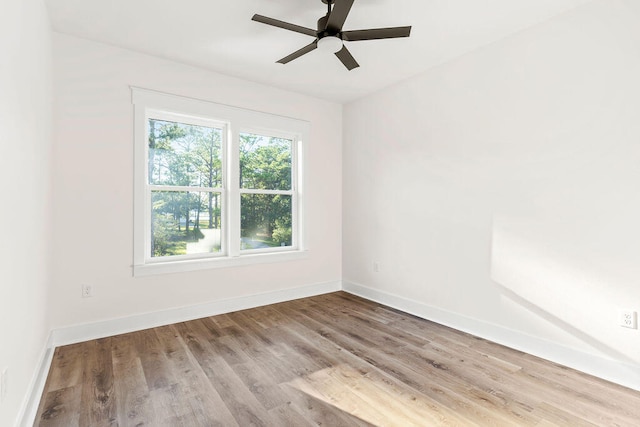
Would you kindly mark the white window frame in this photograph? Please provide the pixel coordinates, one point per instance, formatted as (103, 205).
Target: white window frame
(292, 192)
(233, 120)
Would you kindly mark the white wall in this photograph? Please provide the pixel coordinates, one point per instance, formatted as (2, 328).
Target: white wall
(25, 144)
(504, 187)
(93, 185)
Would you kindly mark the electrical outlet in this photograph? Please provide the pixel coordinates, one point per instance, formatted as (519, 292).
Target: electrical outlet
(4, 375)
(376, 266)
(87, 291)
(628, 319)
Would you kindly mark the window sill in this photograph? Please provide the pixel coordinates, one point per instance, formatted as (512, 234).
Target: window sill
(210, 263)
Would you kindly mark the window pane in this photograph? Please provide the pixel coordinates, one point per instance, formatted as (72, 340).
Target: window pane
(184, 154)
(266, 220)
(265, 162)
(184, 223)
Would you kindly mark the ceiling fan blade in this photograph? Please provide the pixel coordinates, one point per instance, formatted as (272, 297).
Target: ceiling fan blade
(376, 33)
(298, 53)
(285, 25)
(345, 56)
(338, 15)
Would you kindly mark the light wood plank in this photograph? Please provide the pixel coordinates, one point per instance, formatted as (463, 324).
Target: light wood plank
(244, 406)
(60, 408)
(332, 360)
(198, 394)
(131, 389)
(97, 405)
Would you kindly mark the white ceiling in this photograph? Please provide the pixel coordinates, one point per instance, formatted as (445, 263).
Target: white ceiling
(219, 35)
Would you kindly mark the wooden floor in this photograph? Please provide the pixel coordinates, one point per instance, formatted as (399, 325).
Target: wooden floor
(331, 360)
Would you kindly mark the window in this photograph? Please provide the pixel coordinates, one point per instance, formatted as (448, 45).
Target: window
(215, 185)
(266, 191)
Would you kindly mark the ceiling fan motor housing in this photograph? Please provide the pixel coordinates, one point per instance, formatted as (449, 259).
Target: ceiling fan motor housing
(323, 31)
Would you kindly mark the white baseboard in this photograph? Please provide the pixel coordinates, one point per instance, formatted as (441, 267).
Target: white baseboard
(106, 328)
(616, 371)
(27, 413)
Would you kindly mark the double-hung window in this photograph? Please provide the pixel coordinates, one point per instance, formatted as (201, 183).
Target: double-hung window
(214, 185)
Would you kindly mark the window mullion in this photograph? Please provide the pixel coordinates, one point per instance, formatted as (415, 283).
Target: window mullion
(300, 184)
(295, 214)
(274, 192)
(156, 187)
(233, 185)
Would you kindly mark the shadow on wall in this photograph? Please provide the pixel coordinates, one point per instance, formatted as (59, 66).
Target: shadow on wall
(550, 275)
(574, 331)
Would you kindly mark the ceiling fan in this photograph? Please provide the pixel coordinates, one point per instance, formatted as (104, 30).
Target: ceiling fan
(330, 32)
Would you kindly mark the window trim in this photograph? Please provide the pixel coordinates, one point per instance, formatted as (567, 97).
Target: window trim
(234, 121)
